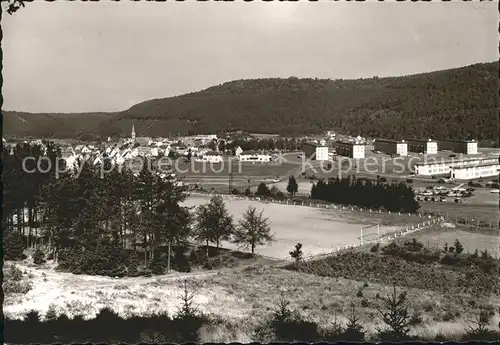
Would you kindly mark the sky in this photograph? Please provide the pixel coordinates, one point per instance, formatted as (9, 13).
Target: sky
(107, 56)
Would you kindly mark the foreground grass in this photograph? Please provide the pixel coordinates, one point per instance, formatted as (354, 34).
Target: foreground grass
(246, 294)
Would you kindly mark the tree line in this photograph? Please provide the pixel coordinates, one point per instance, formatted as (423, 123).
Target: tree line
(118, 223)
(394, 197)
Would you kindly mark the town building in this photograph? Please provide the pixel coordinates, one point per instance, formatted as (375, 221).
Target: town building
(315, 151)
(428, 147)
(254, 156)
(467, 147)
(209, 157)
(399, 147)
(349, 149)
(445, 167)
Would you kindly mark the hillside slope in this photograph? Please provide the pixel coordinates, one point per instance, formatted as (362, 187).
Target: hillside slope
(455, 103)
(58, 125)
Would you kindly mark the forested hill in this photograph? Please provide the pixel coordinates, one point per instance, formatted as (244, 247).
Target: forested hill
(455, 103)
(83, 126)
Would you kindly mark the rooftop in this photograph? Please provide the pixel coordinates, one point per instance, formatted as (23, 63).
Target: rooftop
(466, 166)
(343, 142)
(390, 141)
(421, 141)
(463, 160)
(315, 144)
(253, 153)
(458, 141)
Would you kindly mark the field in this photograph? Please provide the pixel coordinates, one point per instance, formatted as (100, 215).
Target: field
(248, 294)
(319, 230)
(471, 240)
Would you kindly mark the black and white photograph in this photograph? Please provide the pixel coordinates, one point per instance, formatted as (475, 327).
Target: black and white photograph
(250, 171)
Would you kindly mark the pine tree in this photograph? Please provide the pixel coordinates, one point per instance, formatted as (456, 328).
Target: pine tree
(395, 316)
(459, 248)
(293, 186)
(296, 254)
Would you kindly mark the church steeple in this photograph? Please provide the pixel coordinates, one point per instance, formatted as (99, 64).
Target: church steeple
(133, 133)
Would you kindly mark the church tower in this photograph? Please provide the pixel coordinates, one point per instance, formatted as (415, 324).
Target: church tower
(133, 133)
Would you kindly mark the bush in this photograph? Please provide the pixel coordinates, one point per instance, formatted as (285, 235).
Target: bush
(280, 195)
(13, 281)
(13, 246)
(107, 258)
(413, 245)
(263, 190)
(157, 265)
(287, 325)
(180, 262)
(360, 293)
(38, 257)
(375, 248)
(235, 191)
(248, 192)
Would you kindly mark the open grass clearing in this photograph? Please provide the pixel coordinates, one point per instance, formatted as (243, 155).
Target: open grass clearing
(249, 294)
(437, 237)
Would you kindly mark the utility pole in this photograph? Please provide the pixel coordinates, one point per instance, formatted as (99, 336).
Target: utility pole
(361, 237)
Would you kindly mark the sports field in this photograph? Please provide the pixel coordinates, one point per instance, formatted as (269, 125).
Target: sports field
(319, 230)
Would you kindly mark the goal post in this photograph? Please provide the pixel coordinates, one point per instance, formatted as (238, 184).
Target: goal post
(361, 237)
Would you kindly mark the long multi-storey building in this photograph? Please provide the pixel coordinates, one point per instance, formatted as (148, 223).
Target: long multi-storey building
(445, 167)
(467, 147)
(473, 171)
(429, 146)
(315, 151)
(399, 147)
(349, 149)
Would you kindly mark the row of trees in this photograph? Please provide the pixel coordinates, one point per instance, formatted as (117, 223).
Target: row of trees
(214, 224)
(83, 216)
(364, 193)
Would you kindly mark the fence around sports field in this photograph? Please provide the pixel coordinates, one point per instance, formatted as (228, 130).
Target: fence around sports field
(430, 219)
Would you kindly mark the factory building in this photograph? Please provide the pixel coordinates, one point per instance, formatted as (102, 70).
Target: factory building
(315, 151)
(349, 149)
(467, 147)
(428, 147)
(399, 147)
